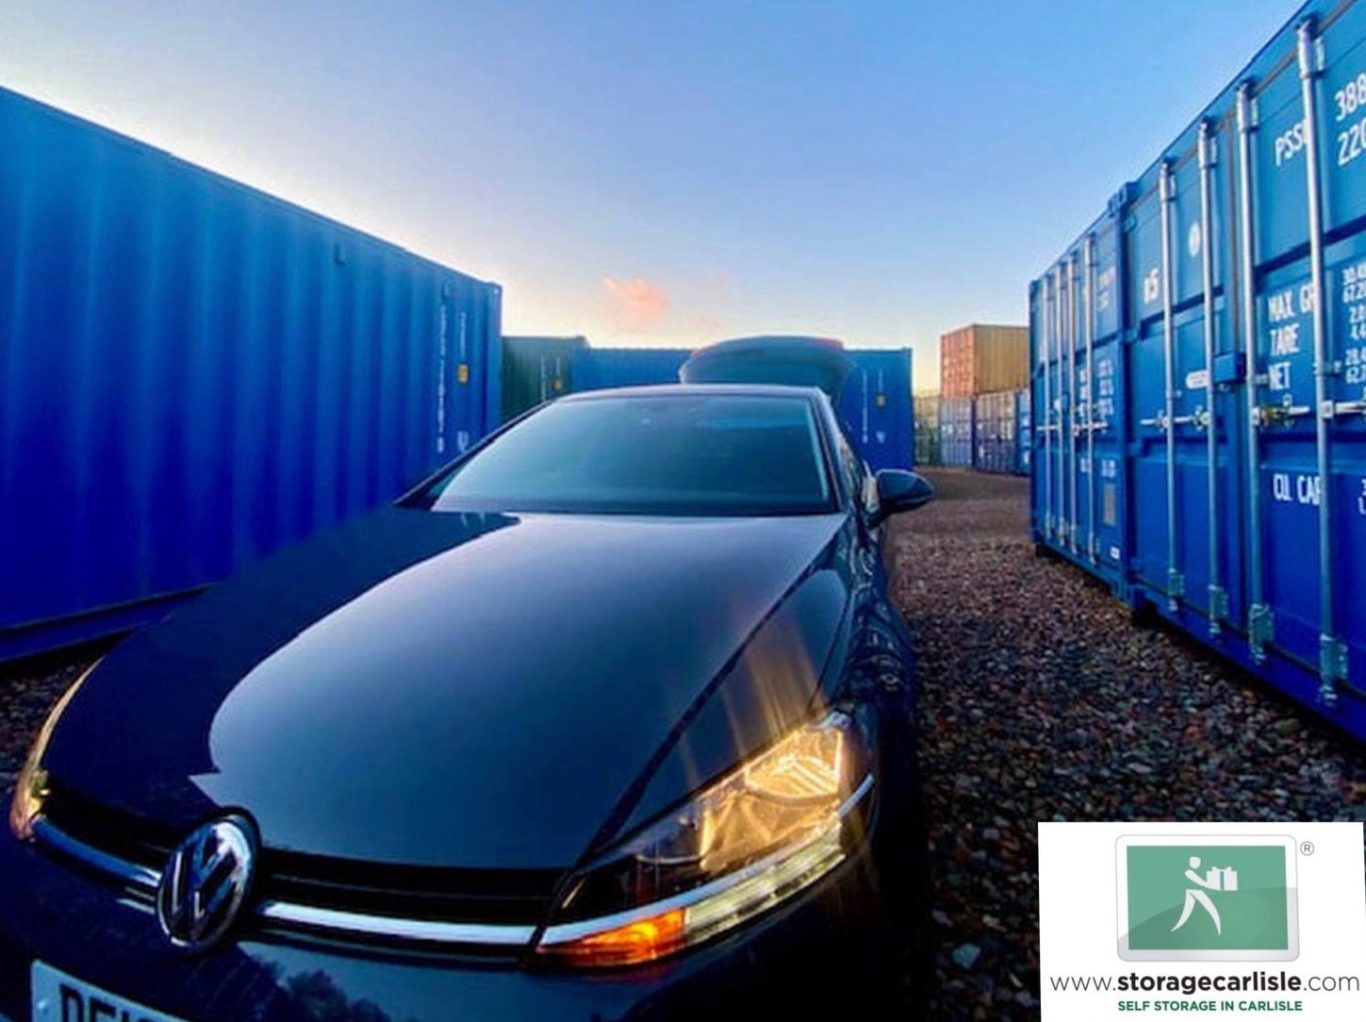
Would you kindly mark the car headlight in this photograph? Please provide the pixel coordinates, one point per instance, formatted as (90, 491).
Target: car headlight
(31, 788)
(762, 833)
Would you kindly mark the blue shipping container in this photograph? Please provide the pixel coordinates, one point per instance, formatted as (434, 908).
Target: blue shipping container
(957, 431)
(1024, 433)
(995, 432)
(875, 403)
(877, 409)
(1199, 374)
(194, 374)
(603, 368)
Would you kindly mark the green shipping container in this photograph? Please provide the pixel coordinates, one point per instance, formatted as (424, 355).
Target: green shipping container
(536, 370)
(927, 449)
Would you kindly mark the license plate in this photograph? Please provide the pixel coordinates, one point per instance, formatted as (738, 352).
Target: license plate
(58, 997)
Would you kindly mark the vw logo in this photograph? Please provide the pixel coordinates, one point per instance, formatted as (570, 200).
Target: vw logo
(206, 881)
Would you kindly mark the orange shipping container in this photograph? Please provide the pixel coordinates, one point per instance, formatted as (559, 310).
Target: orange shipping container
(981, 359)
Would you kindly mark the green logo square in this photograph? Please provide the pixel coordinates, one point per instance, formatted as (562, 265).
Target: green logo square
(1207, 900)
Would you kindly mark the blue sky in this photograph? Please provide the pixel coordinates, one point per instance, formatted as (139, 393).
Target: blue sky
(667, 173)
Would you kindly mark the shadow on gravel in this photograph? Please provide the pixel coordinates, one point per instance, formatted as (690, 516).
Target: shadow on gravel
(1041, 701)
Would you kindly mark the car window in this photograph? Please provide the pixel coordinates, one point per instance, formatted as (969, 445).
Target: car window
(724, 454)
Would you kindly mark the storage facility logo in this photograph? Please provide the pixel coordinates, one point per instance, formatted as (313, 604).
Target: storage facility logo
(1207, 899)
(1187, 920)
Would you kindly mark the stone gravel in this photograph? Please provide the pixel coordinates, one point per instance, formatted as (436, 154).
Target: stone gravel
(27, 692)
(1042, 701)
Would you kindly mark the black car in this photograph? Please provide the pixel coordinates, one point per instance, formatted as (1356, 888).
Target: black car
(611, 718)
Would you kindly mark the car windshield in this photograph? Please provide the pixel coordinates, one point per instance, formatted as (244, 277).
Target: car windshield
(679, 454)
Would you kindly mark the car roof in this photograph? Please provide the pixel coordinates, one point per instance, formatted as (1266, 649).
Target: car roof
(690, 389)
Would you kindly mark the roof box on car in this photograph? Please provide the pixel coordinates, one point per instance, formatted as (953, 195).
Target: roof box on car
(795, 361)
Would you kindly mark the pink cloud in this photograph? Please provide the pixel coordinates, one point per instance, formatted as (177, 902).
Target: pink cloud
(635, 303)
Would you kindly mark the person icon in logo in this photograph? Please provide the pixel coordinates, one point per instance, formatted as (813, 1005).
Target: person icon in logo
(1216, 878)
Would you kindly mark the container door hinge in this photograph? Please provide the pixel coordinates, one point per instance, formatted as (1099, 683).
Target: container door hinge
(1332, 668)
(1261, 629)
(1218, 608)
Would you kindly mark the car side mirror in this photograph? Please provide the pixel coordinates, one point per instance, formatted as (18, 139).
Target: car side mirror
(898, 491)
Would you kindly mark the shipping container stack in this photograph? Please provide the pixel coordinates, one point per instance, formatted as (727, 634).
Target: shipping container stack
(982, 359)
(1199, 375)
(982, 367)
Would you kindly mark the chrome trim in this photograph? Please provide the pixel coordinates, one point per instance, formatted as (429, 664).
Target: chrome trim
(847, 806)
(130, 873)
(288, 914)
(566, 932)
(336, 920)
(206, 882)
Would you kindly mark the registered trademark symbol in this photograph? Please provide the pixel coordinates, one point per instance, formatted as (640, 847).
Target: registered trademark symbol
(1307, 848)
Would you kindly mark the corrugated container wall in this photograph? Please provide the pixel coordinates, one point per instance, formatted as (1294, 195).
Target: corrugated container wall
(536, 370)
(875, 406)
(194, 374)
(978, 359)
(956, 431)
(603, 368)
(1199, 375)
(927, 430)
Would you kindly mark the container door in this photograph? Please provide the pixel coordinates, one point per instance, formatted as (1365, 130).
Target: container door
(1312, 537)
(1100, 414)
(1197, 425)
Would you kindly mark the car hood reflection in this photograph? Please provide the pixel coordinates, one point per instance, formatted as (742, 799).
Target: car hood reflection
(430, 688)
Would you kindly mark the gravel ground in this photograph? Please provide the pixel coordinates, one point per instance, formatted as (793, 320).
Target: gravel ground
(27, 692)
(1041, 701)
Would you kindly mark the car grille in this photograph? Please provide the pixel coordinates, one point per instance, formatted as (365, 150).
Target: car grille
(472, 908)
